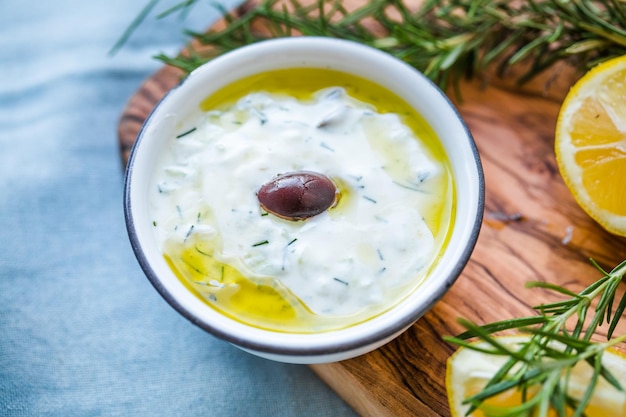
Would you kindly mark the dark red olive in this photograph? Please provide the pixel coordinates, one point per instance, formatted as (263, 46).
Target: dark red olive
(298, 195)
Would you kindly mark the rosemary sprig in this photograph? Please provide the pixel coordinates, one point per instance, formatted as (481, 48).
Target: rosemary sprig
(552, 348)
(445, 39)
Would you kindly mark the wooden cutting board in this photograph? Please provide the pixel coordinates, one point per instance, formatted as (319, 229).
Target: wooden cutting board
(532, 230)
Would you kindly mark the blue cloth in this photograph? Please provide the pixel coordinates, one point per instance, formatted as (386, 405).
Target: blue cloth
(82, 332)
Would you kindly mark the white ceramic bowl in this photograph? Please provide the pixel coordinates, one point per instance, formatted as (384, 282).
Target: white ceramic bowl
(344, 56)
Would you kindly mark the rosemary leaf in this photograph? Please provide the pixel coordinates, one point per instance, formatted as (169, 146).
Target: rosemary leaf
(505, 325)
(133, 26)
(550, 286)
(617, 316)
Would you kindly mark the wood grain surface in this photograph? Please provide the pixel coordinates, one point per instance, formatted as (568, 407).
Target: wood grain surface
(532, 230)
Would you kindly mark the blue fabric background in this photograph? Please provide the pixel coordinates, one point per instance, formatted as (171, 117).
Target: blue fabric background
(82, 332)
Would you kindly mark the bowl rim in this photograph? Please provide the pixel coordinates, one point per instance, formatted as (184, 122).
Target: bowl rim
(291, 344)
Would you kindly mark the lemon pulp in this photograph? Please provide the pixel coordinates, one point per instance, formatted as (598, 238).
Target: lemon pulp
(590, 143)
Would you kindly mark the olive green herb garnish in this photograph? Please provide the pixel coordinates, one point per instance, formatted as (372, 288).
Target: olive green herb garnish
(189, 232)
(201, 252)
(193, 129)
(327, 147)
(193, 267)
(539, 364)
(293, 241)
(445, 39)
(263, 242)
(340, 281)
(408, 186)
(260, 115)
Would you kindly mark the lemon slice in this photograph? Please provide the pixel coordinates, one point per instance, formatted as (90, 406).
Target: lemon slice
(590, 143)
(468, 371)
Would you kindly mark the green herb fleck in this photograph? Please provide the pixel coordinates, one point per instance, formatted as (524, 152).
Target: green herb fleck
(190, 265)
(408, 187)
(201, 252)
(193, 129)
(189, 232)
(261, 116)
(325, 146)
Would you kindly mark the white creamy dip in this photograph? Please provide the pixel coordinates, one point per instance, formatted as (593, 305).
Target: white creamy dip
(340, 262)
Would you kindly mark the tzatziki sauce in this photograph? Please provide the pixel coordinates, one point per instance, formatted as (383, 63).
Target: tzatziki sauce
(351, 261)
